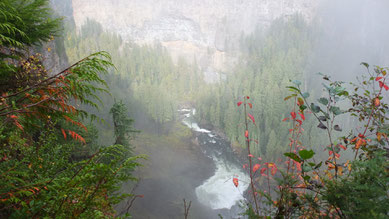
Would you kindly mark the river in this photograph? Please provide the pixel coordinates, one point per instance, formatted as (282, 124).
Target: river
(218, 191)
(198, 167)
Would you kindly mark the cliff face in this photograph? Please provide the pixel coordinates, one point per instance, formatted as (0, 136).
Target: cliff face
(201, 30)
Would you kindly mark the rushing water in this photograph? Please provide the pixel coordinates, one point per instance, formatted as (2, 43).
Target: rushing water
(218, 192)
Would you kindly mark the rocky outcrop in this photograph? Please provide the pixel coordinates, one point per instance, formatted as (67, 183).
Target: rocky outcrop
(207, 31)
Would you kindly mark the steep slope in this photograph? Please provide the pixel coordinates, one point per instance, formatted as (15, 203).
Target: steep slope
(205, 31)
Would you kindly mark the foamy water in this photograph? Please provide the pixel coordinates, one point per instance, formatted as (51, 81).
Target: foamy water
(218, 191)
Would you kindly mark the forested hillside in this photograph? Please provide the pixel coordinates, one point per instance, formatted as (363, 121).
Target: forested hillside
(102, 122)
(145, 77)
(269, 61)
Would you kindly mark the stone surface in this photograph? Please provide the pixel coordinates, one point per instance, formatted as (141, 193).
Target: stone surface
(203, 30)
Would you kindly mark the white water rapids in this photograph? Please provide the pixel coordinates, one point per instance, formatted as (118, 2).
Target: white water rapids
(218, 192)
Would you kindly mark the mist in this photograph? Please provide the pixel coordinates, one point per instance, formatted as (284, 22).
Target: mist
(350, 32)
(331, 37)
(218, 104)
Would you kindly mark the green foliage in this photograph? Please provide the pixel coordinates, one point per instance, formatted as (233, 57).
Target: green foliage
(342, 188)
(267, 63)
(23, 23)
(49, 170)
(365, 193)
(146, 75)
(122, 124)
(39, 181)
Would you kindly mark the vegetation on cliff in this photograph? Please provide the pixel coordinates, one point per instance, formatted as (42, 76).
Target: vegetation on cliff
(50, 163)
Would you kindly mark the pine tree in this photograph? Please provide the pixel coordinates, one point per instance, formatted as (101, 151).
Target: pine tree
(123, 125)
(22, 24)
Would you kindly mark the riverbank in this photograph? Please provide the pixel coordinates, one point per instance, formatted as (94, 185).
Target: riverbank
(174, 168)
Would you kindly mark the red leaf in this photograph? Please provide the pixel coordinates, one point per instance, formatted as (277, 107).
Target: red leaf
(256, 167)
(299, 121)
(263, 170)
(285, 119)
(246, 134)
(381, 84)
(250, 155)
(378, 78)
(250, 105)
(251, 117)
(293, 114)
(235, 181)
(240, 103)
(64, 134)
(343, 147)
(386, 87)
(274, 169)
(359, 143)
(18, 125)
(247, 97)
(302, 116)
(298, 165)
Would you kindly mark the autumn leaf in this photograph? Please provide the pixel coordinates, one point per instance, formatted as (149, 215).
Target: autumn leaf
(235, 181)
(256, 167)
(343, 147)
(300, 101)
(293, 114)
(64, 133)
(263, 170)
(251, 117)
(376, 101)
(302, 116)
(18, 125)
(250, 155)
(250, 105)
(273, 168)
(378, 78)
(381, 84)
(239, 103)
(246, 133)
(379, 136)
(359, 143)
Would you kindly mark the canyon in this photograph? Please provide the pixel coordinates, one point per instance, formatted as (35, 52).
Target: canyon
(206, 32)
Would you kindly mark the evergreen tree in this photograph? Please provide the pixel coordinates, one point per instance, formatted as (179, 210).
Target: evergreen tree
(123, 125)
(22, 24)
(43, 174)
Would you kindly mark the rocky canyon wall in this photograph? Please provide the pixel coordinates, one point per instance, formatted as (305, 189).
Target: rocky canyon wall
(201, 30)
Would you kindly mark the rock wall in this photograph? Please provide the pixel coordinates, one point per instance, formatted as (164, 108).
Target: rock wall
(203, 30)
